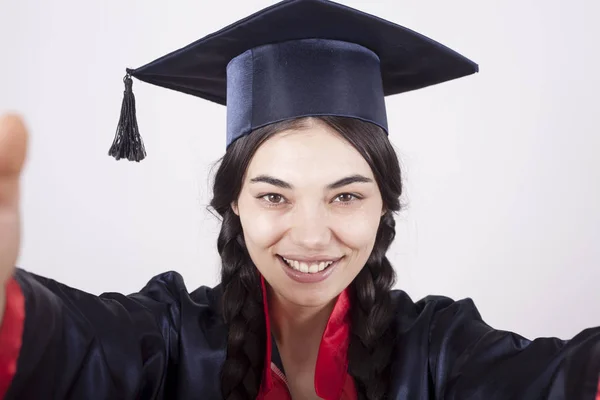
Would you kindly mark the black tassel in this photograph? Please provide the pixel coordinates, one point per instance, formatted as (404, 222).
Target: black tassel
(128, 142)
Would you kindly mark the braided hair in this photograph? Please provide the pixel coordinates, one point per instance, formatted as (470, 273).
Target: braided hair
(372, 332)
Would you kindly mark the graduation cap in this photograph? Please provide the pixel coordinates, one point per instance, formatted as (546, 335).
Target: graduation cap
(294, 59)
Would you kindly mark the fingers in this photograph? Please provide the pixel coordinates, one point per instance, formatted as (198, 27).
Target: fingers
(13, 145)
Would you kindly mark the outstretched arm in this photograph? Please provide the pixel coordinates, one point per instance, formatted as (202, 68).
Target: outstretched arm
(58, 342)
(471, 360)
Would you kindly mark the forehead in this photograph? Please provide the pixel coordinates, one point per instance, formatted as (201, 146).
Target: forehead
(314, 151)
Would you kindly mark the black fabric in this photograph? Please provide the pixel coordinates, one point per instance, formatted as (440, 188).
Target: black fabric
(408, 61)
(166, 343)
(308, 77)
(275, 356)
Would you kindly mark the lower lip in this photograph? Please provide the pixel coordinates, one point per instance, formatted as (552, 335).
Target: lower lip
(302, 277)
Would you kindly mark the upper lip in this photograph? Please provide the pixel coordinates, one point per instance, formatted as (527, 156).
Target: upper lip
(308, 259)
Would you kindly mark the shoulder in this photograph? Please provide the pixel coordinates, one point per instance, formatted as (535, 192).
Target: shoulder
(199, 308)
(170, 285)
(201, 332)
(430, 333)
(433, 311)
(431, 304)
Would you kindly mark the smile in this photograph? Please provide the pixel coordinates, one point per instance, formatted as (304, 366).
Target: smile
(310, 267)
(309, 271)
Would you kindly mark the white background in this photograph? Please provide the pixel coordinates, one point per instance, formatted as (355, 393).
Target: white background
(502, 169)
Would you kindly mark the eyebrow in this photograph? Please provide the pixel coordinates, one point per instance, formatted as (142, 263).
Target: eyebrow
(349, 180)
(271, 181)
(335, 185)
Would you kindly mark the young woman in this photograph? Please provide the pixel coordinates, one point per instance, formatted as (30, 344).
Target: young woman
(307, 192)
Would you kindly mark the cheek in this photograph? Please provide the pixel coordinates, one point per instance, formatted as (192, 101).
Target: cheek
(262, 228)
(359, 231)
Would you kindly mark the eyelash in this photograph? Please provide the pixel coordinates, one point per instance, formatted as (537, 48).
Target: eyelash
(265, 197)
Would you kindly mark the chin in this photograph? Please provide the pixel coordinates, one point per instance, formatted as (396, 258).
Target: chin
(306, 296)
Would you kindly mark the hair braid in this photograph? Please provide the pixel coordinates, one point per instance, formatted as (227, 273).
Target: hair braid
(243, 312)
(242, 301)
(372, 333)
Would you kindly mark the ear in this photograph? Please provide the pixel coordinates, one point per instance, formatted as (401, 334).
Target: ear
(235, 209)
(383, 211)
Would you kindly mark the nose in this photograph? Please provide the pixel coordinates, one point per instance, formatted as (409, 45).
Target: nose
(310, 227)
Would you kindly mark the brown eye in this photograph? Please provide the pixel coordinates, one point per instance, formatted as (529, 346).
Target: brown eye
(345, 197)
(273, 198)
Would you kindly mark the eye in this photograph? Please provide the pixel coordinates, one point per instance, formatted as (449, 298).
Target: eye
(346, 198)
(273, 198)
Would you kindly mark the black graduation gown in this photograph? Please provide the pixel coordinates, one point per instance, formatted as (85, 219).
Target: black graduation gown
(167, 343)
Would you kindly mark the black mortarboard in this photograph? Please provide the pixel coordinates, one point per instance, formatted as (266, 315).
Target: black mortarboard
(296, 58)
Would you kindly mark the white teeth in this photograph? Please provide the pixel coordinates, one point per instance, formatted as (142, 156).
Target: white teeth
(308, 268)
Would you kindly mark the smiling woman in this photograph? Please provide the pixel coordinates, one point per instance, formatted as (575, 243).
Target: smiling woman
(306, 192)
(310, 197)
(311, 209)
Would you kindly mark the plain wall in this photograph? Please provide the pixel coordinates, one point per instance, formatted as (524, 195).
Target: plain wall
(501, 169)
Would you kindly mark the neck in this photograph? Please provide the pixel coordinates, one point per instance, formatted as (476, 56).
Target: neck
(293, 324)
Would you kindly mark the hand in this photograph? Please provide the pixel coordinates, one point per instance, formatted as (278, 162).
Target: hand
(13, 144)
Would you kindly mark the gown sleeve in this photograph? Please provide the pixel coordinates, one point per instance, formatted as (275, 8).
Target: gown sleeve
(80, 346)
(470, 360)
